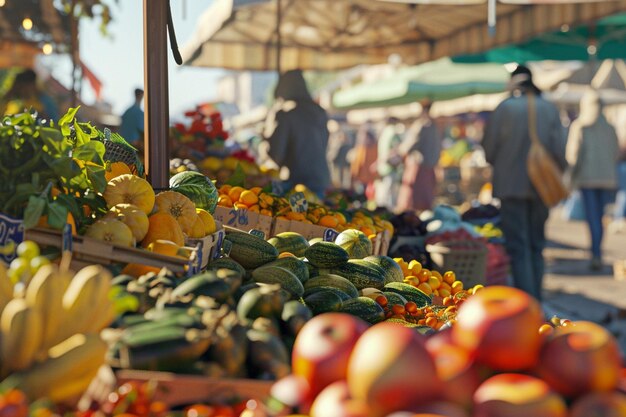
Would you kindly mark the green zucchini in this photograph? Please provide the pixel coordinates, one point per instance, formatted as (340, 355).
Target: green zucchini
(361, 273)
(336, 281)
(364, 308)
(326, 255)
(250, 251)
(291, 242)
(409, 292)
(323, 301)
(277, 275)
(393, 272)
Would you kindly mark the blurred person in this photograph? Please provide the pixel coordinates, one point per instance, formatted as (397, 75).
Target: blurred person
(506, 143)
(25, 94)
(363, 164)
(132, 125)
(388, 165)
(339, 146)
(420, 149)
(593, 152)
(297, 132)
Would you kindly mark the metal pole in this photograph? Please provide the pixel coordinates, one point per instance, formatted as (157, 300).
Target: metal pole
(279, 18)
(156, 100)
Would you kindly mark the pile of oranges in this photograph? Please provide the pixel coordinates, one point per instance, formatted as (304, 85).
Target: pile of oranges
(432, 282)
(258, 201)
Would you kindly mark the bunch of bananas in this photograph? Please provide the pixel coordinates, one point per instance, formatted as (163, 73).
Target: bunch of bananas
(49, 330)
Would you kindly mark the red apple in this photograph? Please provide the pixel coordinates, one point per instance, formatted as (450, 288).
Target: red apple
(499, 327)
(335, 401)
(517, 395)
(391, 370)
(322, 349)
(605, 404)
(440, 408)
(456, 369)
(293, 391)
(580, 358)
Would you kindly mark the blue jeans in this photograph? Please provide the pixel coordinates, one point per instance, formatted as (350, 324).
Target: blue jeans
(594, 201)
(522, 221)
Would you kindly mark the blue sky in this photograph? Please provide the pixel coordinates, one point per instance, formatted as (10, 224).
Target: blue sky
(118, 60)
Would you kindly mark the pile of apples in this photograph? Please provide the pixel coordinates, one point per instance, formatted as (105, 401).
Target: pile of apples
(494, 362)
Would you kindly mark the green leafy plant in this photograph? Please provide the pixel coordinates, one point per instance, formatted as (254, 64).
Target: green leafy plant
(51, 170)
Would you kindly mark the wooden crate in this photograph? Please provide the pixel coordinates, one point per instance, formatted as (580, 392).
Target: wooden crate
(175, 389)
(86, 250)
(244, 220)
(210, 245)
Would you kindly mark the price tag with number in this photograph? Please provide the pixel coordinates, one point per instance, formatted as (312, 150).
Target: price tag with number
(237, 218)
(11, 235)
(298, 203)
(218, 245)
(257, 233)
(330, 235)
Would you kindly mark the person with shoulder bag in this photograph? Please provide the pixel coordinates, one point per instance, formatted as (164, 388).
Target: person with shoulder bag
(507, 142)
(593, 153)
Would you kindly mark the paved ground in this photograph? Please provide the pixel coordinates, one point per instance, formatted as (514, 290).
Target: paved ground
(571, 289)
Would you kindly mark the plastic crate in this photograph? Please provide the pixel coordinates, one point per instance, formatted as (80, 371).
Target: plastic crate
(467, 258)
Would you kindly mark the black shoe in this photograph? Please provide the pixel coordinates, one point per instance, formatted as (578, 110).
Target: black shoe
(596, 264)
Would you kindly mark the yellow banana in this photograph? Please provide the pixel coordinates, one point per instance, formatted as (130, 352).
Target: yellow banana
(74, 388)
(6, 287)
(67, 361)
(102, 318)
(45, 292)
(84, 297)
(21, 328)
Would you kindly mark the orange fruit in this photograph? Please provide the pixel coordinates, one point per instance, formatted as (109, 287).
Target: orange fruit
(368, 231)
(444, 292)
(266, 212)
(423, 275)
(225, 189)
(224, 201)
(164, 247)
(434, 282)
(457, 286)
(415, 267)
(248, 198)
(239, 205)
(546, 329)
(286, 255)
(254, 209)
(235, 193)
(425, 288)
(292, 215)
(256, 190)
(340, 218)
(449, 277)
(328, 221)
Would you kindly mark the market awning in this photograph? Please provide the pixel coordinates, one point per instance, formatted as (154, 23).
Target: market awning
(603, 39)
(336, 34)
(435, 81)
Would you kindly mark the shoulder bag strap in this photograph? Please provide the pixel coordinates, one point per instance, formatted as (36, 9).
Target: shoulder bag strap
(532, 118)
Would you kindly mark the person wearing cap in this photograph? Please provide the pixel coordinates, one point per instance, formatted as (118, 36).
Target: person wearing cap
(132, 126)
(506, 143)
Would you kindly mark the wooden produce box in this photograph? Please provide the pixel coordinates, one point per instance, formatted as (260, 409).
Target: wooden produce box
(175, 389)
(244, 220)
(209, 246)
(309, 231)
(86, 250)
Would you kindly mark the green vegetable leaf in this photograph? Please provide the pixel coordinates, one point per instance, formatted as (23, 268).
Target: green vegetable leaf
(96, 176)
(34, 210)
(64, 166)
(81, 137)
(91, 151)
(67, 118)
(57, 215)
(238, 178)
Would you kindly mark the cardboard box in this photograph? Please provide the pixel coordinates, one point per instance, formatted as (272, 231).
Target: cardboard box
(209, 246)
(176, 389)
(87, 250)
(309, 231)
(244, 220)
